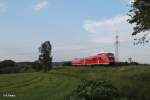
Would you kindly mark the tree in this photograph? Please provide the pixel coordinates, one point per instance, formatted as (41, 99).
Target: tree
(7, 63)
(45, 57)
(8, 66)
(140, 17)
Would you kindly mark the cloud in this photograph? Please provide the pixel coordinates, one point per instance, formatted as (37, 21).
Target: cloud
(2, 8)
(104, 26)
(129, 1)
(104, 31)
(40, 5)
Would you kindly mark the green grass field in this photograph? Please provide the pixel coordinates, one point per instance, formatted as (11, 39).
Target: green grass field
(131, 81)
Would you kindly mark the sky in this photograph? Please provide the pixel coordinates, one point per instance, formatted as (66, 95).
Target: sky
(75, 28)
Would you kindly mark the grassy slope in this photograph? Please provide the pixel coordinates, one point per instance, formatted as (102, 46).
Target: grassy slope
(132, 81)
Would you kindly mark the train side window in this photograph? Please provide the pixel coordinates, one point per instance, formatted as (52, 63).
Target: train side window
(94, 58)
(100, 58)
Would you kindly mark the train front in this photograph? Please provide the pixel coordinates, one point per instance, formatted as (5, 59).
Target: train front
(111, 58)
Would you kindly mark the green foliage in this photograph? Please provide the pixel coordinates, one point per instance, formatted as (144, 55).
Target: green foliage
(7, 63)
(45, 57)
(37, 66)
(140, 17)
(96, 90)
(8, 66)
(66, 63)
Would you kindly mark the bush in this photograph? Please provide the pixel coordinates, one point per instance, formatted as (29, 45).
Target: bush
(7, 63)
(8, 66)
(95, 90)
(67, 63)
(37, 66)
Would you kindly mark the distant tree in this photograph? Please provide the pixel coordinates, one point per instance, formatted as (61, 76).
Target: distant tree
(140, 17)
(45, 57)
(7, 63)
(66, 63)
(8, 66)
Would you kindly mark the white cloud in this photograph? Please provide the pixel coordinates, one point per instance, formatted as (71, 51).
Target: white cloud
(104, 26)
(129, 1)
(104, 31)
(40, 5)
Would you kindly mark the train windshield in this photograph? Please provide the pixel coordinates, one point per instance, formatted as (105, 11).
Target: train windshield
(111, 56)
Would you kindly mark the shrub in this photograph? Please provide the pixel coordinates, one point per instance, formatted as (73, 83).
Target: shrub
(37, 66)
(67, 63)
(8, 66)
(95, 90)
(7, 63)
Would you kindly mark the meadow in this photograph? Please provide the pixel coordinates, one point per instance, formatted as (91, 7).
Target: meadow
(132, 81)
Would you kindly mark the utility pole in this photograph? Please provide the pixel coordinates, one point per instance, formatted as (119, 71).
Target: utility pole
(117, 47)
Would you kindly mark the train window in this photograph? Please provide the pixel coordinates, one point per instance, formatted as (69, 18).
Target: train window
(94, 59)
(100, 58)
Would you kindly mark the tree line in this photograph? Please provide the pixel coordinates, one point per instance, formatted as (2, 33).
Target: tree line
(44, 63)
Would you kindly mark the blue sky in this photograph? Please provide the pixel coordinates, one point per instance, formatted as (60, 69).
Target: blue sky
(76, 28)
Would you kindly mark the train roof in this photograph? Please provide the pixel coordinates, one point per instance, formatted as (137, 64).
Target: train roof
(104, 53)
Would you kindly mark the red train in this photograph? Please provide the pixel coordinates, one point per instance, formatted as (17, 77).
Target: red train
(99, 59)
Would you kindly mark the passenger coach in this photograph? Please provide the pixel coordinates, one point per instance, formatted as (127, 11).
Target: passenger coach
(99, 59)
